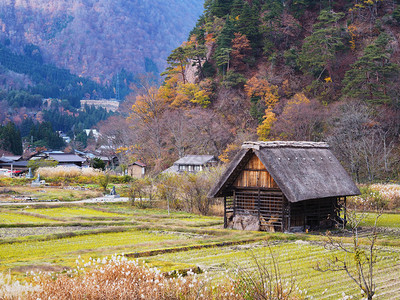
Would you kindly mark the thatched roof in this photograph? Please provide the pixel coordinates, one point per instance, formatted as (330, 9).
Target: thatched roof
(302, 170)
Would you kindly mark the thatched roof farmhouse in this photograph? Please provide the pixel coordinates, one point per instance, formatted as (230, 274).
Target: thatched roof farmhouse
(283, 186)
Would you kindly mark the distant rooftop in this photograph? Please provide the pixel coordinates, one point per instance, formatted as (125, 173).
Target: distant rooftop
(283, 144)
(195, 160)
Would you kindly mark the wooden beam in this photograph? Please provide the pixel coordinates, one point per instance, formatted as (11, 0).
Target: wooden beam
(225, 218)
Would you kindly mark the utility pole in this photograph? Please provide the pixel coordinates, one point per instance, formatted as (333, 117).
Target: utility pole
(117, 88)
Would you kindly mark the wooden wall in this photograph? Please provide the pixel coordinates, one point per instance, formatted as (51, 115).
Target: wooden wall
(255, 175)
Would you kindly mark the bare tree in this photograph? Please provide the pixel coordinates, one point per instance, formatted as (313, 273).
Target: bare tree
(362, 143)
(355, 259)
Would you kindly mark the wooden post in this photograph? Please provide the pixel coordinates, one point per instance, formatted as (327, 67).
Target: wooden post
(259, 207)
(225, 219)
(345, 213)
(290, 216)
(234, 203)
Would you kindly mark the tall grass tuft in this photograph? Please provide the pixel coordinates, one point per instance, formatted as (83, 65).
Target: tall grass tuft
(67, 172)
(10, 289)
(119, 278)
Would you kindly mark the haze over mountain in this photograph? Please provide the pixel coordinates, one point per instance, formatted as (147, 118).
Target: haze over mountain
(97, 38)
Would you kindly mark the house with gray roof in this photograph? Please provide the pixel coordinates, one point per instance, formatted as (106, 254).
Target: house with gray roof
(192, 164)
(284, 186)
(63, 159)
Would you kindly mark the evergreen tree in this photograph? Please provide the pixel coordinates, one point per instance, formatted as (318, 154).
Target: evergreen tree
(371, 75)
(220, 8)
(248, 23)
(319, 49)
(10, 139)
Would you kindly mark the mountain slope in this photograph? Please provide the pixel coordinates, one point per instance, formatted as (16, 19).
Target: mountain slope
(98, 38)
(282, 70)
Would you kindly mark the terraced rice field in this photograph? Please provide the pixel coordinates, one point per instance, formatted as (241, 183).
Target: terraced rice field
(296, 259)
(54, 238)
(74, 212)
(16, 218)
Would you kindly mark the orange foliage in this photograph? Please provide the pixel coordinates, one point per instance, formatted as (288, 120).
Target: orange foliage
(240, 49)
(261, 88)
(148, 105)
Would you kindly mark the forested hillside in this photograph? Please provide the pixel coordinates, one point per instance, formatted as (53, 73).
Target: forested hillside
(281, 70)
(95, 38)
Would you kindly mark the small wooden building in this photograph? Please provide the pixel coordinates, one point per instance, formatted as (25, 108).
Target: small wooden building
(287, 186)
(137, 169)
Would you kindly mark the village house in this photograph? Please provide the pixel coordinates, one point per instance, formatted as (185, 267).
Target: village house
(63, 159)
(137, 169)
(192, 164)
(284, 186)
(13, 164)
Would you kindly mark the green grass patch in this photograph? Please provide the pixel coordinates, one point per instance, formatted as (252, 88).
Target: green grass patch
(73, 212)
(296, 259)
(9, 218)
(66, 250)
(385, 220)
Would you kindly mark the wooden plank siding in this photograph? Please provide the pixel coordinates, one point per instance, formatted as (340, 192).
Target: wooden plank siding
(257, 193)
(254, 174)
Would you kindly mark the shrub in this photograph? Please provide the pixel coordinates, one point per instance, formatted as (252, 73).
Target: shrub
(7, 181)
(377, 196)
(104, 181)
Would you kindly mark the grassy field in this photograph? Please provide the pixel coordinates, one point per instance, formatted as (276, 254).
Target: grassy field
(45, 193)
(178, 241)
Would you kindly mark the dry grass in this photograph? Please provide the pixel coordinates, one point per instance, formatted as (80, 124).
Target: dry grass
(68, 172)
(119, 278)
(11, 289)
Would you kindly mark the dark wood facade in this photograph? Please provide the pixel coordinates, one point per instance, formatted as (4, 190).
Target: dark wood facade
(256, 193)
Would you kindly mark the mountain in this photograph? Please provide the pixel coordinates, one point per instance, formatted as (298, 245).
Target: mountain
(98, 38)
(281, 70)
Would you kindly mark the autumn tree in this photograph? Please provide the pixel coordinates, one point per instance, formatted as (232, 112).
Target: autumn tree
(115, 138)
(262, 94)
(241, 49)
(146, 119)
(264, 97)
(301, 120)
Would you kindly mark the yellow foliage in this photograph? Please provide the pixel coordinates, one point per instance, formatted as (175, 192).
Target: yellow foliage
(261, 88)
(297, 99)
(184, 94)
(351, 29)
(227, 153)
(148, 106)
(264, 129)
(167, 91)
(201, 98)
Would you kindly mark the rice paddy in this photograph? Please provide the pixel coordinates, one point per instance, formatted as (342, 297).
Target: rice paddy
(16, 218)
(179, 241)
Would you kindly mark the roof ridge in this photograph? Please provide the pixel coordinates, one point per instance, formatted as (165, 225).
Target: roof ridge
(280, 144)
